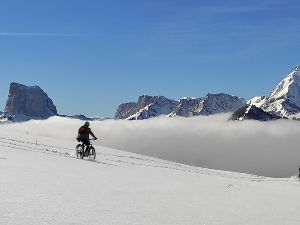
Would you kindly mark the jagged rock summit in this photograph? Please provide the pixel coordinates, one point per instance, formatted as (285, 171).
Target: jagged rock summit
(28, 102)
(145, 108)
(284, 100)
(153, 106)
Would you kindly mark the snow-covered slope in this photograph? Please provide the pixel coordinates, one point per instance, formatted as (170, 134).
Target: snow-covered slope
(258, 101)
(284, 100)
(41, 183)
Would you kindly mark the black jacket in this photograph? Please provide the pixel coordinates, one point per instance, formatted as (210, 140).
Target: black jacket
(84, 132)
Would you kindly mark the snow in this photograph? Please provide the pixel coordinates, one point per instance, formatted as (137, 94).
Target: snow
(267, 149)
(257, 101)
(283, 87)
(287, 89)
(189, 98)
(42, 183)
(284, 100)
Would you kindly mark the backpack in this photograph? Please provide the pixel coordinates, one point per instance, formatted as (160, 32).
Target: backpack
(82, 130)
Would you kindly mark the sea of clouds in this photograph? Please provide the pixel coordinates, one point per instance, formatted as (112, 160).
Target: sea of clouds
(262, 148)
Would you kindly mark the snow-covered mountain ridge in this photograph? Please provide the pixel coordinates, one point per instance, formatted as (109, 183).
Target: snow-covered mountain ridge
(284, 99)
(282, 102)
(25, 103)
(153, 106)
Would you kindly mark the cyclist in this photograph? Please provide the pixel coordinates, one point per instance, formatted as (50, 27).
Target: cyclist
(83, 136)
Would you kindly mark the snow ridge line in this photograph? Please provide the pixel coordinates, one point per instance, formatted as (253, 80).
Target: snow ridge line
(105, 154)
(170, 165)
(10, 143)
(43, 151)
(209, 172)
(160, 161)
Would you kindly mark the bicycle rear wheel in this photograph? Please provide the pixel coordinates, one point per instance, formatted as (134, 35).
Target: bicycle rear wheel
(79, 151)
(92, 153)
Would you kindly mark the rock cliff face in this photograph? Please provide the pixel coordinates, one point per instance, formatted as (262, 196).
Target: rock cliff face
(187, 106)
(125, 110)
(153, 106)
(25, 103)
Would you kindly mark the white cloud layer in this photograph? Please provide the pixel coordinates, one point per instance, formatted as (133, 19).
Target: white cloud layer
(262, 148)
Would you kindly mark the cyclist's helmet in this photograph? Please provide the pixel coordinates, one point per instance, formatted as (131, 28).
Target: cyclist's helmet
(87, 124)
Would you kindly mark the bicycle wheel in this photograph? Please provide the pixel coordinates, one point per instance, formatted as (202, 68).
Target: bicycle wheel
(79, 151)
(92, 153)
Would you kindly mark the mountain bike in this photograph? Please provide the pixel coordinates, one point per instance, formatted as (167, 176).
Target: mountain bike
(81, 153)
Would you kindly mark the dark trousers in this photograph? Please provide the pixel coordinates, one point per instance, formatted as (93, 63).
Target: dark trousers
(85, 142)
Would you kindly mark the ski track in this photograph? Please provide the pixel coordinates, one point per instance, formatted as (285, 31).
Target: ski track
(139, 160)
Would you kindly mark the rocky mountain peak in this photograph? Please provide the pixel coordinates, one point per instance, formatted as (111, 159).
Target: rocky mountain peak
(284, 100)
(28, 102)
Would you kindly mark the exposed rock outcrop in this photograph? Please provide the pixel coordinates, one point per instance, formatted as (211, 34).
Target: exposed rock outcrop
(125, 110)
(26, 103)
(254, 113)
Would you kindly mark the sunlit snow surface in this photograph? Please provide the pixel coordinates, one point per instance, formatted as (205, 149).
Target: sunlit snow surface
(42, 183)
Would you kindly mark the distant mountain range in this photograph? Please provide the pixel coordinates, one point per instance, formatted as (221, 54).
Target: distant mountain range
(153, 106)
(283, 102)
(26, 103)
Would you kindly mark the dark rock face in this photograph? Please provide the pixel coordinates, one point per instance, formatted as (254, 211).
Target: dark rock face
(28, 103)
(125, 110)
(254, 113)
(187, 107)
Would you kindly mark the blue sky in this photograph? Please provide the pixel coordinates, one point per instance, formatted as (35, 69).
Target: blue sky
(91, 55)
